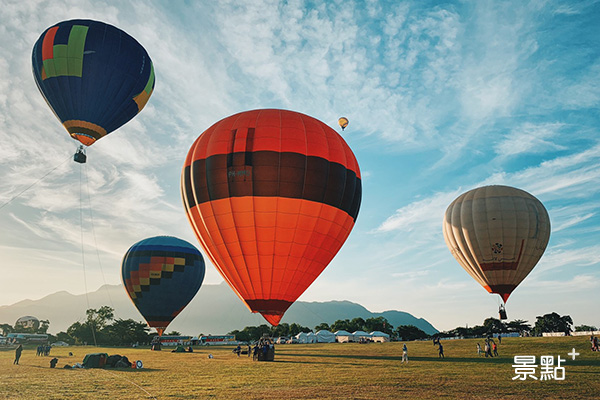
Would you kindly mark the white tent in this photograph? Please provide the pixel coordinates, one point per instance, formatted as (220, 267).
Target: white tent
(343, 336)
(324, 336)
(311, 338)
(378, 336)
(302, 337)
(358, 335)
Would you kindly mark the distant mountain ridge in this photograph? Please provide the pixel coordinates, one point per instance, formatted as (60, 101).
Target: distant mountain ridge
(215, 310)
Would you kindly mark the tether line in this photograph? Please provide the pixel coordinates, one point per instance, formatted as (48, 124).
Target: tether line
(87, 299)
(33, 184)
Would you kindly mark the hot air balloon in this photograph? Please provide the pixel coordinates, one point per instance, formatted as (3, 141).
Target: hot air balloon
(161, 275)
(497, 234)
(271, 195)
(343, 122)
(94, 76)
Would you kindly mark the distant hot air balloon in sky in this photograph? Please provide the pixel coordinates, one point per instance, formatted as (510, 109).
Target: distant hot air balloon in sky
(343, 122)
(94, 76)
(162, 275)
(271, 195)
(497, 234)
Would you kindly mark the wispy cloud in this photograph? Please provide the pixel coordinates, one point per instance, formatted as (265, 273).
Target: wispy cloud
(530, 138)
(421, 214)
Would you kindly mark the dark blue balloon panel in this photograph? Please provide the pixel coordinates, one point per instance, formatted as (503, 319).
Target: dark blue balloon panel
(94, 76)
(161, 275)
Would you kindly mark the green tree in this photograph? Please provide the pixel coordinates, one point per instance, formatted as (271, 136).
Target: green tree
(585, 328)
(410, 332)
(174, 333)
(251, 333)
(297, 328)
(280, 330)
(494, 325)
(126, 332)
(91, 331)
(322, 327)
(98, 319)
(378, 324)
(81, 333)
(518, 325)
(552, 323)
(64, 337)
(357, 324)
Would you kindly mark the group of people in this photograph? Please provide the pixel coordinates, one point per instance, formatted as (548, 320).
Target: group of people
(43, 350)
(490, 349)
(594, 343)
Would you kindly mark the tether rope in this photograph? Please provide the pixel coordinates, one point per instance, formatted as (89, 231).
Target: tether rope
(34, 183)
(87, 299)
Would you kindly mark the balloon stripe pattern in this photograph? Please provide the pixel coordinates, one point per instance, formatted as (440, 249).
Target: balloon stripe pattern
(497, 234)
(161, 275)
(271, 195)
(94, 76)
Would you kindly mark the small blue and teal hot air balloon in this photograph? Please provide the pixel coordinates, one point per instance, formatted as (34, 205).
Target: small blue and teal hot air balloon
(94, 76)
(162, 275)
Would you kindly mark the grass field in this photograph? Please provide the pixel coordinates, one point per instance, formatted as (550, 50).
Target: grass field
(317, 371)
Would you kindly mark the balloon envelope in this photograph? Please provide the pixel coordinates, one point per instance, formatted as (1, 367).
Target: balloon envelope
(94, 76)
(271, 195)
(162, 275)
(343, 122)
(497, 234)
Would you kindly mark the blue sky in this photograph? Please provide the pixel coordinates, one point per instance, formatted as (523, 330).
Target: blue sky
(441, 98)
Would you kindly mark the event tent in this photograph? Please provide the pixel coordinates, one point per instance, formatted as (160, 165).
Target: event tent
(324, 336)
(343, 336)
(378, 336)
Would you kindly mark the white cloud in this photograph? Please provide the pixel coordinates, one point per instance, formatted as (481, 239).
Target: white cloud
(530, 138)
(422, 214)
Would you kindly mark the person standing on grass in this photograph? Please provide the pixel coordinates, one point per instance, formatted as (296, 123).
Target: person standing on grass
(18, 352)
(495, 347)
(441, 351)
(404, 353)
(478, 349)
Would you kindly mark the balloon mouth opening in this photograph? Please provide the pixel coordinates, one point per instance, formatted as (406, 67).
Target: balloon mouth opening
(273, 319)
(503, 291)
(85, 132)
(271, 310)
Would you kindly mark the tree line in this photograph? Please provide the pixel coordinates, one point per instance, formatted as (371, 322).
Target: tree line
(551, 322)
(100, 327)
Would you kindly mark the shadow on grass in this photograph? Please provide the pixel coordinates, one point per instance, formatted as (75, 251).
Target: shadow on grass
(128, 370)
(493, 360)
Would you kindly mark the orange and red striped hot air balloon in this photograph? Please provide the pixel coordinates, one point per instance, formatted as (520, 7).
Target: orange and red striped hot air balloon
(271, 195)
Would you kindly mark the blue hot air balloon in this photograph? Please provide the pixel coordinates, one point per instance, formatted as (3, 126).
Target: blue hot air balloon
(161, 275)
(94, 76)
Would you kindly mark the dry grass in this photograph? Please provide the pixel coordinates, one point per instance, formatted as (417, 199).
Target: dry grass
(320, 371)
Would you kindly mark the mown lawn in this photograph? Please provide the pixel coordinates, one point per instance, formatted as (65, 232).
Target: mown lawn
(318, 371)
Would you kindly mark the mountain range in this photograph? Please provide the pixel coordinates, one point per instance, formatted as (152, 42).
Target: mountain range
(215, 310)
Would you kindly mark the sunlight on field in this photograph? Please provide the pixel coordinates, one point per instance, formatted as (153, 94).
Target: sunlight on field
(319, 371)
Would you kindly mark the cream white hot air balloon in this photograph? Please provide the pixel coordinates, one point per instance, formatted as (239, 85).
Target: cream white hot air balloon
(497, 234)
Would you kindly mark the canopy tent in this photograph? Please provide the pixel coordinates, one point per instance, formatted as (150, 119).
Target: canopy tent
(302, 337)
(378, 336)
(361, 336)
(343, 336)
(324, 336)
